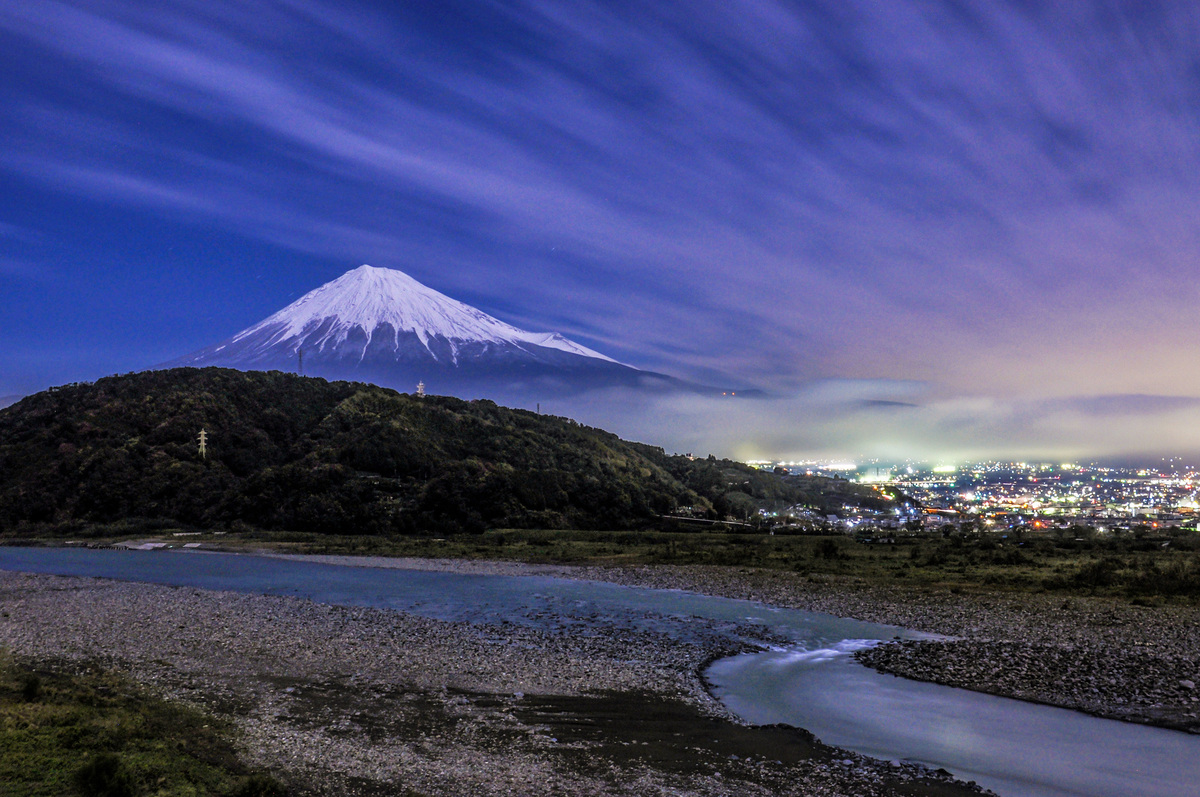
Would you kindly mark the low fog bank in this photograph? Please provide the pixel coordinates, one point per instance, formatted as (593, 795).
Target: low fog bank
(836, 421)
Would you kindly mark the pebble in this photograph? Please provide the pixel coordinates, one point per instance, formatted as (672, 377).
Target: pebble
(356, 701)
(1098, 655)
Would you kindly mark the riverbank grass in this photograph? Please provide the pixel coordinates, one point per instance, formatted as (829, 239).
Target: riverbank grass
(1145, 572)
(79, 730)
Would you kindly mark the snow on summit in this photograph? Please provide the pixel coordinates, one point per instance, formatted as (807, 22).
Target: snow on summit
(368, 297)
(380, 325)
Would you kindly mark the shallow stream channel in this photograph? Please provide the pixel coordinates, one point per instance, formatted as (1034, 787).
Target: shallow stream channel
(805, 676)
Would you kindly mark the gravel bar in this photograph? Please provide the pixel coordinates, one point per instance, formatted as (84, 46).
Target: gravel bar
(353, 701)
(1098, 655)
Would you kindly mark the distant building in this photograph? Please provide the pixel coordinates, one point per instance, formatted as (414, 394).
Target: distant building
(875, 476)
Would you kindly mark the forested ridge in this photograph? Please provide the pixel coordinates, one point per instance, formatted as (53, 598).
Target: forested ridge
(286, 452)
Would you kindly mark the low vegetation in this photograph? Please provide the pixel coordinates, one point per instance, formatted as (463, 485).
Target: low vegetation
(1144, 570)
(84, 731)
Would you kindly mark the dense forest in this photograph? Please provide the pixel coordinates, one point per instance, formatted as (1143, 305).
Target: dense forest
(286, 452)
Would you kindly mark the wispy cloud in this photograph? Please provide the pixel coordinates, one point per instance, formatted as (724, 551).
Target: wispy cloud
(989, 199)
(16, 267)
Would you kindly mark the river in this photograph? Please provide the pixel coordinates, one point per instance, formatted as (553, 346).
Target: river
(1014, 748)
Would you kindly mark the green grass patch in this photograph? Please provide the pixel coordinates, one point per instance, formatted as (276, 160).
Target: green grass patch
(1147, 571)
(84, 731)
(1141, 571)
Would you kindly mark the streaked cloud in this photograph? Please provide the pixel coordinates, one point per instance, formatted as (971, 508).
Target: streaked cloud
(986, 206)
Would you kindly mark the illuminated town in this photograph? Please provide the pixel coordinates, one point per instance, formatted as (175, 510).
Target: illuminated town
(1003, 496)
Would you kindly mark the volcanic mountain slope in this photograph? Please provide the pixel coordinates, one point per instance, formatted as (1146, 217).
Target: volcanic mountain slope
(382, 326)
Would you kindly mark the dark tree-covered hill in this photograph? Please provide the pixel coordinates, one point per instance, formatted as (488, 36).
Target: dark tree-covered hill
(293, 453)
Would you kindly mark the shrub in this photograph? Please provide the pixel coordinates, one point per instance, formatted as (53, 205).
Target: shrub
(259, 786)
(31, 688)
(104, 776)
(828, 549)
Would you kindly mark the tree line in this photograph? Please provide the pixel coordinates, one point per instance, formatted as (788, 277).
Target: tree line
(286, 452)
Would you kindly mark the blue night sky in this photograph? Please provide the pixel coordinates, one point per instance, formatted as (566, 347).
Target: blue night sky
(927, 228)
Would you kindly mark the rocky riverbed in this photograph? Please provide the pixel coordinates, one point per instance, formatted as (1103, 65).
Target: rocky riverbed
(352, 701)
(1103, 656)
(1138, 685)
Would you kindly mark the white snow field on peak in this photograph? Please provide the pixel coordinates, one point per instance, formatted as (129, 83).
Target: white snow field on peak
(368, 297)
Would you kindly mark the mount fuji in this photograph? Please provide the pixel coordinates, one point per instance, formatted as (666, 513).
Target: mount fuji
(380, 325)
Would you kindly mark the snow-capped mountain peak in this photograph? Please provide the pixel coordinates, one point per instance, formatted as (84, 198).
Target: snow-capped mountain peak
(368, 297)
(381, 325)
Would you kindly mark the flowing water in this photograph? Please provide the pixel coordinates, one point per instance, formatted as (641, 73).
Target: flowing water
(1012, 747)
